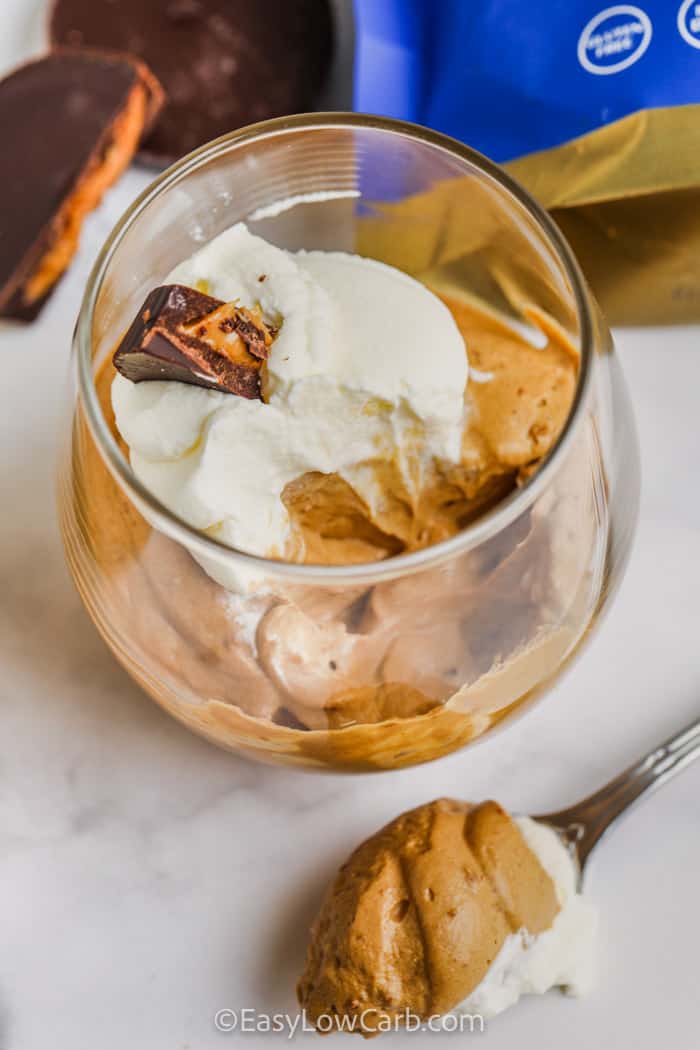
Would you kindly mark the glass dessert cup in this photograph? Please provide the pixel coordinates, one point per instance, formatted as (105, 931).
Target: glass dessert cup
(399, 661)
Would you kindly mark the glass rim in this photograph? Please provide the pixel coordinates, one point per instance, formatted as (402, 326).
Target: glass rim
(482, 528)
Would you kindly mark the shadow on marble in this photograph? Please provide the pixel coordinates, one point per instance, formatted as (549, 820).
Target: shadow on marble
(282, 949)
(4, 1026)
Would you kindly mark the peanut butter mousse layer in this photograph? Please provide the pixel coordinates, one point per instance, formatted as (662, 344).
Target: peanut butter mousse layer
(451, 907)
(356, 676)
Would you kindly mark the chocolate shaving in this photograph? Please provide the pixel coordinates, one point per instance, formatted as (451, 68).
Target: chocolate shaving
(184, 335)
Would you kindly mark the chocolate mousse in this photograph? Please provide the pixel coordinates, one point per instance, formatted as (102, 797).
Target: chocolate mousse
(356, 675)
(442, 908)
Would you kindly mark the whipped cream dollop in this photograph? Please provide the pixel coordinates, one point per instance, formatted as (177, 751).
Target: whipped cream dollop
(561, 957)
(368, 365)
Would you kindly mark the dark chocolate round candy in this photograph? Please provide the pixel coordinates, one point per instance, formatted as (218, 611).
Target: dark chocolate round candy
(223, 63)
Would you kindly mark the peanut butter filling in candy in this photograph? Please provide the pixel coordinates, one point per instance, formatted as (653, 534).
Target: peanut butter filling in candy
(183, 335)
(74, 121)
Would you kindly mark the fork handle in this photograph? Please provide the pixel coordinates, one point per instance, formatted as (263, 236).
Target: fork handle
(584, 824)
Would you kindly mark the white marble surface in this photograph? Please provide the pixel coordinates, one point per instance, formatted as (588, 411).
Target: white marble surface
(148, 880)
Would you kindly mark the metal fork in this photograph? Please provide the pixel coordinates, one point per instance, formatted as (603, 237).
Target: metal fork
(583, 825)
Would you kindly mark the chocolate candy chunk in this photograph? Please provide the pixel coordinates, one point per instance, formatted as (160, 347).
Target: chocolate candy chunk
(71, 123)
(184, 335)
(223, 63)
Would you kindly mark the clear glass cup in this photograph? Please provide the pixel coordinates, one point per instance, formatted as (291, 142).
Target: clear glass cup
(361, 666)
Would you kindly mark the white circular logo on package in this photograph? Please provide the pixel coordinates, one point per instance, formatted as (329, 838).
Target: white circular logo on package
(689, 22)
(614, 39)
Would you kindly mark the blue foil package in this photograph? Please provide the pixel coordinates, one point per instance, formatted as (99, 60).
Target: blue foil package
(512, 76)
(593, 107)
